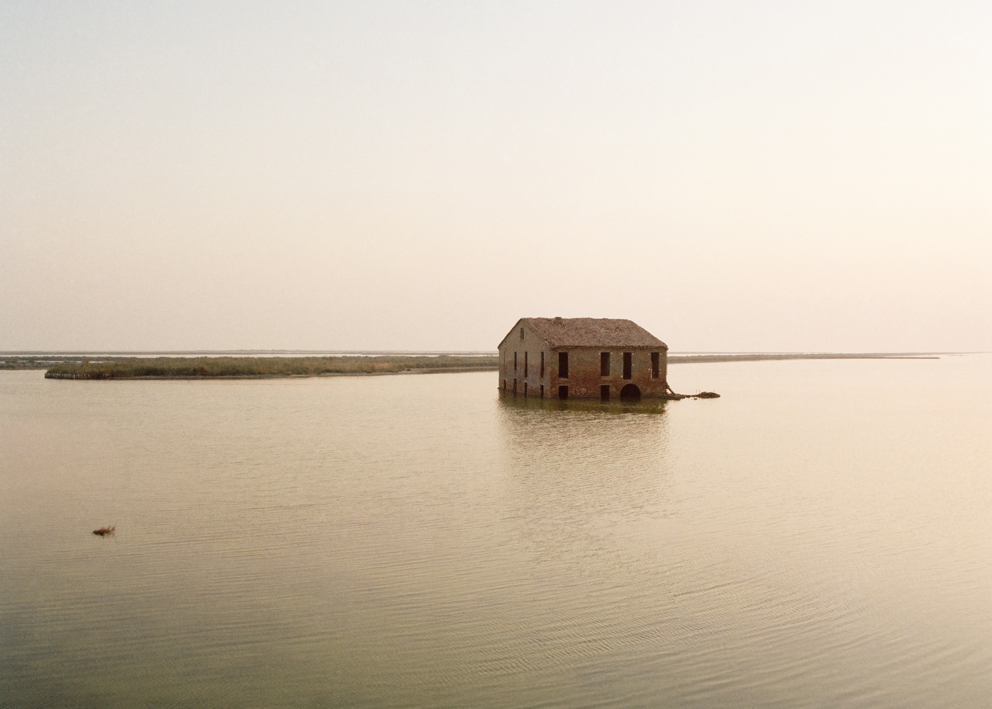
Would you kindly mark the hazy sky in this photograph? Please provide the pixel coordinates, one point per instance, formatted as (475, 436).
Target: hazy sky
(731, 175)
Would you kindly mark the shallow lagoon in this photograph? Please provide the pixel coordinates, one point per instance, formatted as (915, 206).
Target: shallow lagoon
(819, 536)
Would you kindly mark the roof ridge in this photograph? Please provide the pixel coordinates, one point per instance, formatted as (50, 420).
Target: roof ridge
(592, 332)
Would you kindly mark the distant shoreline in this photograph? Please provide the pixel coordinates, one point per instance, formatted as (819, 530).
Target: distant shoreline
(98, 367)
(707, 358)
(177, 377)
(263, 367)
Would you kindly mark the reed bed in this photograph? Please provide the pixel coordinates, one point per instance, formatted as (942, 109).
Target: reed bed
(219, 367)
(30, 362)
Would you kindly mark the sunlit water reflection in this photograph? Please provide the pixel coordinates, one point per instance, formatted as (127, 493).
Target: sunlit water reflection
(819, 536)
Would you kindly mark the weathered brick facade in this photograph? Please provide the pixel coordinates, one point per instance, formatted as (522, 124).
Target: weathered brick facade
(583, 358)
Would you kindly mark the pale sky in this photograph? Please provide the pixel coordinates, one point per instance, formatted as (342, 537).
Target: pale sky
(734, 176)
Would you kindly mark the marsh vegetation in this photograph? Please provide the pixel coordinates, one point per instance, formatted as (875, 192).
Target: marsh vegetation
(33, 361)
(215, 367)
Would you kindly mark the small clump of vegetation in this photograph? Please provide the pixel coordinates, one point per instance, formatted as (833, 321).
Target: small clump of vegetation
(217, 367)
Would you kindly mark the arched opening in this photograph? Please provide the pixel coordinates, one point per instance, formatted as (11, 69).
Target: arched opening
(630, 393)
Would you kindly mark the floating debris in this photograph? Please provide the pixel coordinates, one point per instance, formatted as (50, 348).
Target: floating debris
(104, 531)
(701, 395)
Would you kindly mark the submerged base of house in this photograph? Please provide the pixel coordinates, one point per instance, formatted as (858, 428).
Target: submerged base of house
(602, 392)
(632, 394)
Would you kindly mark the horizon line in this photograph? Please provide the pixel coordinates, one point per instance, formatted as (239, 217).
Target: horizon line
(24, 353)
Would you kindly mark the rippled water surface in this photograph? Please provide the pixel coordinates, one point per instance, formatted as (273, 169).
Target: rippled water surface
(819, 536)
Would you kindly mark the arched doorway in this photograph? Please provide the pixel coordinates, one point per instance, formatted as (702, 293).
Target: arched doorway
(630, 393)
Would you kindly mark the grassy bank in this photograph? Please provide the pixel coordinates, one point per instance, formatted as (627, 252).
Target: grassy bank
(216, 367)
(29, 361)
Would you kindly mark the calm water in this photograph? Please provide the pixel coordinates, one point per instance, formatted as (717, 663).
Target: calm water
(820, 536)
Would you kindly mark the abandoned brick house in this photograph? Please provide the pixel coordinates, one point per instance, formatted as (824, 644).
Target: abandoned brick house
(583, 358)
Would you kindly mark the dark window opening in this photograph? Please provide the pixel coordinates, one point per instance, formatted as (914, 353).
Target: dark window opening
(525, 365)
(563, 392)
(514, 362)
(514, 386)
(655, 365)
(563, 365)
(604, 364)
(521, 333)
(627, 366)
(542, 391)
(525, 388)
(604, 392)
(542, 365)
(504, 385)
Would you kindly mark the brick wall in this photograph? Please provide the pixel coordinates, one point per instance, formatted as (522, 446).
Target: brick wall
(584, 378)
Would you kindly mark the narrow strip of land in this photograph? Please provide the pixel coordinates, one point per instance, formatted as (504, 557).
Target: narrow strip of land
(262, 367)
(77, 366)
(759, 357)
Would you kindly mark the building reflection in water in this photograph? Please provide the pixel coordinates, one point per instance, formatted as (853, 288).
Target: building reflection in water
(588, 482)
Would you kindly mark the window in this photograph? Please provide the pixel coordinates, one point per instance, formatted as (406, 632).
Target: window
(525, 366)
(604, 392)
(563, 392)
(542, 366)
(504, 385)
(521, 333)
(542, 391)
(525, 388)
(655, 365)
(604, 364)
(514, 386)
(514, 362)
(627, 365)
(563, 365)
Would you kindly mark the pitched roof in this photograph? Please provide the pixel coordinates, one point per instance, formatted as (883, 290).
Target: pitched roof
(593, 332)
